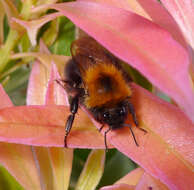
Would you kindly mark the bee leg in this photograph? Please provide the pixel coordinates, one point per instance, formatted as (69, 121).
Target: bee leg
(105, 142)
(68, 127)
(61, 82)
(69, 123)
(142, 129)
(133, 135)
(132, 111)
(101, 128)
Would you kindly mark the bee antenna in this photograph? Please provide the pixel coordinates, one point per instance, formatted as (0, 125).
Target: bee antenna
(128, 125)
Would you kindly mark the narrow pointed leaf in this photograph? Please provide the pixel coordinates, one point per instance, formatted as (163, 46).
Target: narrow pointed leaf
(54, 164)
(43, 163)
(61, 160)
(56, 94)
(37, 84)
(42, 83)
(92, 171)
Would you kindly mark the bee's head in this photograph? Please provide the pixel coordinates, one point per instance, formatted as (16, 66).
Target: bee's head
(113, 116)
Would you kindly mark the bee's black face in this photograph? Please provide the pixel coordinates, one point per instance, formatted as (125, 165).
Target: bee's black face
(114, 117)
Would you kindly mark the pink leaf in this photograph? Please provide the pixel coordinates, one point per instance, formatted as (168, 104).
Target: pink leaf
(166, 151)
(141, 180)
(33, 26)
(54, 164)
(42, 84)
(46, 59)
(5, 100)
(152, 10)
(55, 93)
(183, 13)
(44, 126)
(147, 182)
(37, 84)
(18, 158)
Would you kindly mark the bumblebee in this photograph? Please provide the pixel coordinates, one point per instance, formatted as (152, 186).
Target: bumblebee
(95, 79)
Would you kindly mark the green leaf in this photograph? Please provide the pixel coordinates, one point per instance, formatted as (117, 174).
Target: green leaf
(17, 85)
(5, 28)
(116, 167)
(51, 33)
(65, 38)
(24, 43)
(7, 181)
(92, 172)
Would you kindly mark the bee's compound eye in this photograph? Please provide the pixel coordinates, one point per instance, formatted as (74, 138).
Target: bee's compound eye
(106, 115)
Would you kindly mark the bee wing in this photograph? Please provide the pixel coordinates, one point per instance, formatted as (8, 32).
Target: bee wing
(87, 52)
